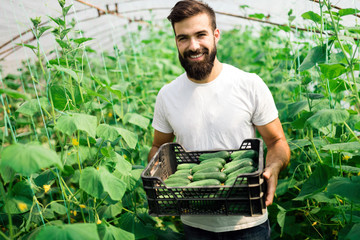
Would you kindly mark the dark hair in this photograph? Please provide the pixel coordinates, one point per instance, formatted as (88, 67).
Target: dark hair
(189, 8)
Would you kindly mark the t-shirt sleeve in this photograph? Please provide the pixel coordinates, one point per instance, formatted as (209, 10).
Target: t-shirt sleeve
(265, 108)
(160, 122)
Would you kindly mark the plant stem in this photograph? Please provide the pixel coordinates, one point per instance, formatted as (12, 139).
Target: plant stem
(350, 63)
(3, 194)
(351, 131)
(313, 144)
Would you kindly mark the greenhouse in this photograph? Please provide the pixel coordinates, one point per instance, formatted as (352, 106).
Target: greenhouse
(82, 83)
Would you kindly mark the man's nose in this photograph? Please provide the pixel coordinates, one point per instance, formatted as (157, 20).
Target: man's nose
(194, 44)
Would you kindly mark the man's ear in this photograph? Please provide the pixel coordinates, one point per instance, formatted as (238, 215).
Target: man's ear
(216, 35)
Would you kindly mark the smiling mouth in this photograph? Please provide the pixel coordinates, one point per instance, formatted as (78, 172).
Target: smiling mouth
(196, 56)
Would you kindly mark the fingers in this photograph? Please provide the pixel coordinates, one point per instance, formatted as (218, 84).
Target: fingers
(271, 186)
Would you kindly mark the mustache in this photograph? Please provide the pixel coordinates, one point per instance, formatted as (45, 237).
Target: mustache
(198, 51)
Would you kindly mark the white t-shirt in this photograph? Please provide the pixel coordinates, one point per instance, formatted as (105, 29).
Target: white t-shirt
(214, 116)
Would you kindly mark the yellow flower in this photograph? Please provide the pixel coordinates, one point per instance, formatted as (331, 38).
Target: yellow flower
(314, 223)
(75, 142)
(110, 114)
(341, 201)
(82, 206)
(75, 213)
(346, 157)
(22, 206)
(46, 188)
(358, 174)
(98, 221)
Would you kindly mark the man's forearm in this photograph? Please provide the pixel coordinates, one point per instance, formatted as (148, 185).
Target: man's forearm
(152, 152)
(278, 154)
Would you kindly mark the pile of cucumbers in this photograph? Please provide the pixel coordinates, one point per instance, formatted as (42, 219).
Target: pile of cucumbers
(215, 169)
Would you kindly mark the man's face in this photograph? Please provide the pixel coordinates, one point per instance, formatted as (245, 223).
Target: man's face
(196, 43)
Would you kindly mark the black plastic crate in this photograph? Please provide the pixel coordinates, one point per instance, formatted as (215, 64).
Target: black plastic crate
(245, 197)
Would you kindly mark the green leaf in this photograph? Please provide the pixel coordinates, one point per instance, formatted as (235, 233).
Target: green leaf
(284, 28)
(58, 21)
(26, 45)
(310, 15)
(93, 93)
(96, 182)
(332, 71)
(82, 40)
(69, 232)
(111, 211)
(123, 166)
(66, 70)
(315, 55)
(58, 208)
(64, 33)
(65, 10)
(122, 87)
(136, 119)
(295, 108)
(344, 187)
(17, 204)
(109, 232)
(42, 30)
(7, 173)
(281, 216)
(14, 94)
(325, 117)
(32, 106)
(357, 126)
(63, 44)
(322, 197)
(131, 223)
(111, 133)
(72, 122)
(27, 159)
(257, 15)
(59, 96)
(317, 181)
(348, 11)
(354, 233)
(299, 143)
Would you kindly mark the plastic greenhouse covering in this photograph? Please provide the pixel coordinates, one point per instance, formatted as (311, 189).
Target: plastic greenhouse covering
(79, 84)
(106, 20)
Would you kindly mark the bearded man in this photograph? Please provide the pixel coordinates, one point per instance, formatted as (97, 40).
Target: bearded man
(215, 106)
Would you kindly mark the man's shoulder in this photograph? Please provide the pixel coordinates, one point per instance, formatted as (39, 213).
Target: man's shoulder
(240, 74)
(173, 85)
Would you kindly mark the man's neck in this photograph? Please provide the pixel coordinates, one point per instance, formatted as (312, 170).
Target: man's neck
(216, 70)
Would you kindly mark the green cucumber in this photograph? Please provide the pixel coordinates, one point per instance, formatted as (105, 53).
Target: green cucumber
(230, 181)
(206, 165)
(240, 162)
(247, 169)
(175, 182)
(209, 169)
(182, 166)
(233, 166)
(209, 175)
(221, 160)
(203, 183)
(244, 154)
(220, 154)
(183, 171)
(179, 175)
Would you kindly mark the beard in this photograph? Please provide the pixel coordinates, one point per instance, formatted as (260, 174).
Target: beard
(198, 70)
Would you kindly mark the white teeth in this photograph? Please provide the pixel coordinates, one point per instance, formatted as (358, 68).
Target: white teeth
(196, 56)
